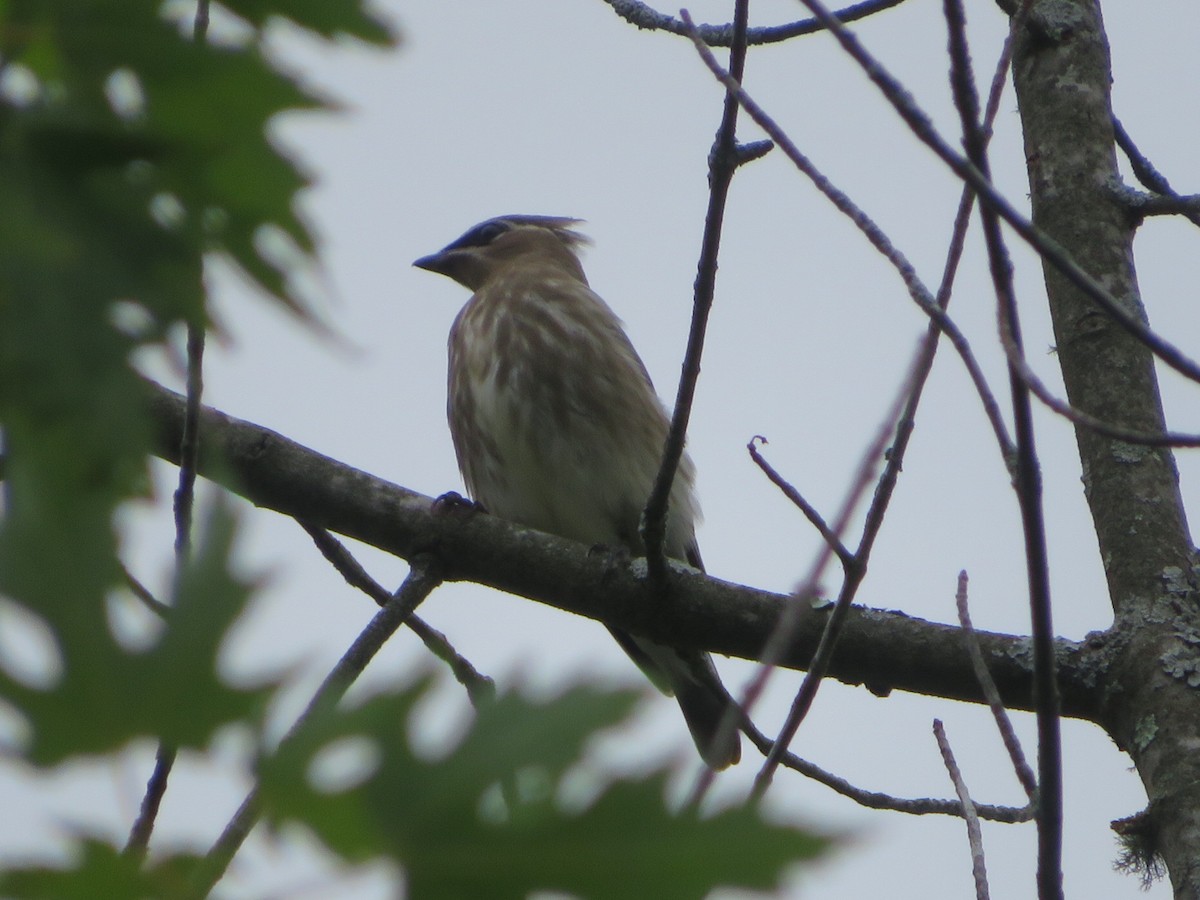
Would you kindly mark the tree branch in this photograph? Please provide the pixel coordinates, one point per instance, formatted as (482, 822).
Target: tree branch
(883, 650)
(810, 512)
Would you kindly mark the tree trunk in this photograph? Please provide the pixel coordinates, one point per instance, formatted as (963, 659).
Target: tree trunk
(1151, 708)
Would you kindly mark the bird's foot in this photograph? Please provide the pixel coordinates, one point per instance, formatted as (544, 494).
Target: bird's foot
(454, 503)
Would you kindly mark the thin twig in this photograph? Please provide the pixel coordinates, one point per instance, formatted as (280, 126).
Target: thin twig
(200, 23)
(143, 594)
(799, 502)
(641, 15)
(1146, 173)
(1007, 733)
(782, 635)
(480, 688)
(184, 501)
(1027, 482)
(422, 579)
(1101, 426)
(970, 813)
(1048, 249)
(914, 806)
(156, 788)
(723, 162)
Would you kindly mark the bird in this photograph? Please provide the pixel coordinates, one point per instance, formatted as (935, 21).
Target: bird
(557, 426)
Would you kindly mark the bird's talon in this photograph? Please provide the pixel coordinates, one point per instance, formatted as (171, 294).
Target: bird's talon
(452, 502)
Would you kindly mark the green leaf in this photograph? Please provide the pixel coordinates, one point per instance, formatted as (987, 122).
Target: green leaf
(100, 871)
(626, 844)
(318, 16)
(107, 695)
(135, 155)
(486, 821)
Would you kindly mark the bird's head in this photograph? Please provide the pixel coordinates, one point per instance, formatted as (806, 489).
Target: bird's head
(490, 246)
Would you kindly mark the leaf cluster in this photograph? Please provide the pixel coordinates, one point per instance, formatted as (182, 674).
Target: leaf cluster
(132, 152)
(490, 819)
(129, 153)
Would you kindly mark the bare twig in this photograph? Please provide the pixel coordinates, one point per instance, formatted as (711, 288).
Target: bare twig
(144, 595)
(422, 579)
(799, 502)
(723, 162)
(1007, 734)
(927, 351)
(480, 688)
(782, 635)
(915, 806)
(1027, 482)
(924, 364)
(1101, 426)
(156, 787)
(970, 813)
(641, 15)
(929, 347)
(200, 23)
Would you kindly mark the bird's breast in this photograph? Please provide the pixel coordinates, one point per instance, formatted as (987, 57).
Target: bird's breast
(555, 424)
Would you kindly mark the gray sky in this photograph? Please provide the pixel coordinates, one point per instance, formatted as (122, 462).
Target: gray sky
(545, 106)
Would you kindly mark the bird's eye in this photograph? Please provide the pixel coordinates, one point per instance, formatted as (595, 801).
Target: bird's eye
(484, 234)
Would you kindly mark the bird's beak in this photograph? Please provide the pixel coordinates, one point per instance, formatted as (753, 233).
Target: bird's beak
(434, 262)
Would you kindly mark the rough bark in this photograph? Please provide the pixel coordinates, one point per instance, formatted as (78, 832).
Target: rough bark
(1149, 697)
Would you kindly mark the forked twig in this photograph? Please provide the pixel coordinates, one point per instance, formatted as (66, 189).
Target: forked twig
(914, 806)
(480, 688)
(641, 15)
(810, 512)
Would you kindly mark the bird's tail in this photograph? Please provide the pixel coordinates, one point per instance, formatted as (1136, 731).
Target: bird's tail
(712, 716)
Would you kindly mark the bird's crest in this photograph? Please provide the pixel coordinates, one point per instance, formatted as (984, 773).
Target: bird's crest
(562, 227)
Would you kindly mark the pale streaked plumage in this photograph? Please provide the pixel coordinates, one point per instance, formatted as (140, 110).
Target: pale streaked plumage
(557, 426)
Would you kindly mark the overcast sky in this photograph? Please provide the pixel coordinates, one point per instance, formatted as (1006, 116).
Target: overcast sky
(556, 107)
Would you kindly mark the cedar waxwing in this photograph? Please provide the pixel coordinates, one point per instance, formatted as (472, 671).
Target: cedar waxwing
(557, 426)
